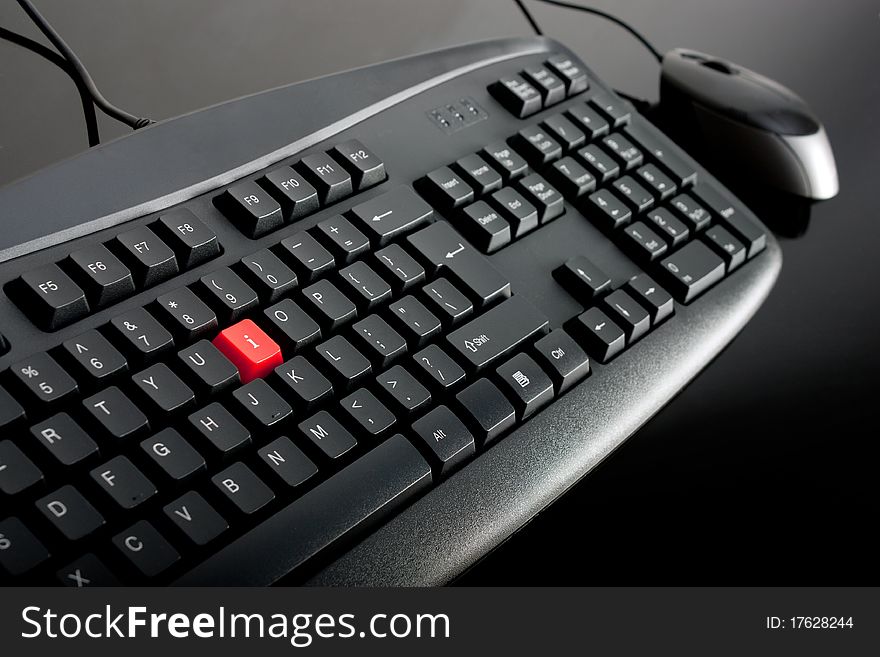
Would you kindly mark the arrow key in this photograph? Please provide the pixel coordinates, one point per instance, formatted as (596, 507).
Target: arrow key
(601, 337)
(584, 280)
(629, 315)
(654, 298)
(368, 412)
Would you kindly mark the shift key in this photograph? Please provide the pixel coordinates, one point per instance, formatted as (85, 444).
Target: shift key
(498, 332)
(443, 248)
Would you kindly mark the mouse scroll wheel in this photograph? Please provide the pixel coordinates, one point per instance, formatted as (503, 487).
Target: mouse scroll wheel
(719, 66)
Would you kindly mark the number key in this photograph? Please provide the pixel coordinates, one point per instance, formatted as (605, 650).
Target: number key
(188, 314)
(141, 333)
(231, 295)
(94, 357)
(44, 378)
(271, 277)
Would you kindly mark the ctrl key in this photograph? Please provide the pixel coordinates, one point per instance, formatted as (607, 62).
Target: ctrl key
(446, 440)
(20, 550)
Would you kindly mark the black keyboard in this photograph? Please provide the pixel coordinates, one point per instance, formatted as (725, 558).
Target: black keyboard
(354, 330)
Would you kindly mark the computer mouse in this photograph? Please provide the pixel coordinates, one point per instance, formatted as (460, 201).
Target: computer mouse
(748, 123)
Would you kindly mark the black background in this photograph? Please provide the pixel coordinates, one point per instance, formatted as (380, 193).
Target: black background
(764, 470)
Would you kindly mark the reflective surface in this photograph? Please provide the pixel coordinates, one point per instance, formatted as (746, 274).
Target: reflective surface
(764, 469)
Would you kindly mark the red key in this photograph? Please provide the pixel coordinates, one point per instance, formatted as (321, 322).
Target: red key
(253, 352)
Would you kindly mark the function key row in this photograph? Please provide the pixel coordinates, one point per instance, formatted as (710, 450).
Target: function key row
(539, 87)
(288, 193)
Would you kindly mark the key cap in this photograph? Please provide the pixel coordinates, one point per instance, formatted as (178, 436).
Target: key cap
(624, 150)
(70, 513)
(116, 413)
(659, 182)
(331, 180)
(657, 301)
(243, 488)
(177, 459)
(562, 358)
(438, 368)
(219, 429)
(17, 471)
(145, 548)
(346, 241)
(149, 258)
(497, 332)
(93, 358)
(50, 298)
(327, 434)
(288, 462)
(599, 162)
(208, 368)
(345, 364)
(44, 379)
(572, 178)
(20, 550)
(394, 213)
(308, 386)
(479, 174)
(86, 572)
(270, 277)
(291, 325)
(398, 267)
(192, 241)
(368, 413)
(261, 404)
(401, 388)
(446, 439)
(103, 277)
(251, 208)
(571, 73)
(526, 384)
(670, 226)
(663, 152)
(692, 270)
(230, 296)
(543, 196)
(564, 131)
(310, 258)
(163, 389)
(695, 215)
(296, 195)
(141, 334)
(734, 217)
(606, 209)
(444, 249)
(365, 286)
(589, 120)
(643, 242)
(247, 347)
(633, 194)
(330, 306)
(584, 280)
(485, 227)
(615, 110)
(197, 519)
(381, 342)
(364, 166)
(64, 439)
(445, 301)
(447, 189)
(521, 214)
(417, 323)
(506, 160)
(517, 96)
(551, 88)
(486, 410)
(602, 338)
(537, 146)
(365, 492)
(11, 412)
(725, 245)
(628, 315)
(124, 483)
(189, 316)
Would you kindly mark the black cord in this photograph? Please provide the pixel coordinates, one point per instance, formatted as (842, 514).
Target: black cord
(82, 73)
(59, 61)
(596, 12)
(529, 17)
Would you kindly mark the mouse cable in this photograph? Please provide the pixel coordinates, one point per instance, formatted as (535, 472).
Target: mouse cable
(59, 61)
(82, 73)
(590, 10)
